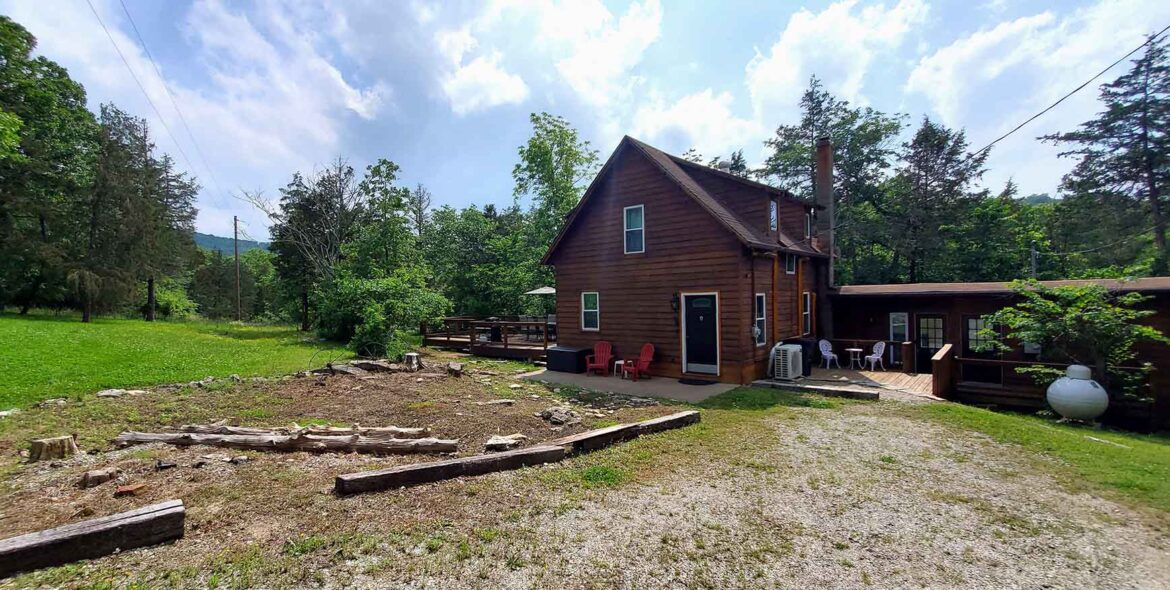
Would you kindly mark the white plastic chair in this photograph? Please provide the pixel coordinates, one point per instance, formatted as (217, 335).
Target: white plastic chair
(875, 359)
(827, 353)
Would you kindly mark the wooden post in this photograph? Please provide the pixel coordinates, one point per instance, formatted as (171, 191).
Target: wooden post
(544, 344)
(907, 357)
(504, 330)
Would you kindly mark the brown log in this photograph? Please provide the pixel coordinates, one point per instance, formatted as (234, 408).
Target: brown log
(592, 440)
(58, 447)
(295, 442)
(420, 473)
(93, 538)
(372, 432)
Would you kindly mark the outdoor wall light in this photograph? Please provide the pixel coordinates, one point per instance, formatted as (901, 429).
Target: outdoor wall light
(674, 302)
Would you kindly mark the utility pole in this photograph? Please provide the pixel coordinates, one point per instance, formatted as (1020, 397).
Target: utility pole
(236, 246)
(1033, 259)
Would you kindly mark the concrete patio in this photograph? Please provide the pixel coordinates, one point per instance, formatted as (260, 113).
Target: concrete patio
(658, 387)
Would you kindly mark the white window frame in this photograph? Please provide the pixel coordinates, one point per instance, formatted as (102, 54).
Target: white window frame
(806, 313)
(773, 215)
(597, 311)
(790, 262)
(897, 342)
(627, 229)
(760, 313)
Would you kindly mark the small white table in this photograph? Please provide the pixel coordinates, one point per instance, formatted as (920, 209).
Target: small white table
(617, 367)
(855, 357)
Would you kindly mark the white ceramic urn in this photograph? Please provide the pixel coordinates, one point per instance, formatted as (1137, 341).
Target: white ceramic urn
(1076, 396)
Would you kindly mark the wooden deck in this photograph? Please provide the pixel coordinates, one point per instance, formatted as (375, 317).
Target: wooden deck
(859, 384)
(514, 349)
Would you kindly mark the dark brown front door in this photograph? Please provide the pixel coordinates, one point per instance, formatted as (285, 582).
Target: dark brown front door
(931, 335)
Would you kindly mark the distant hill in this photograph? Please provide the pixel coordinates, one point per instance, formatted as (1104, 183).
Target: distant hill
(1038, 199)
(224, 245)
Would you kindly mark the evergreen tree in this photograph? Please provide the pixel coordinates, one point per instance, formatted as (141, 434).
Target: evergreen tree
(1124, 153)
(418, 205)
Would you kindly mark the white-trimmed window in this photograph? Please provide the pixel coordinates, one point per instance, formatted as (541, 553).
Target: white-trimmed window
(806, 312)
(773, 216)
(760, 330)
(590, 311)
(634, 220)
(790, 264)
(808, 224)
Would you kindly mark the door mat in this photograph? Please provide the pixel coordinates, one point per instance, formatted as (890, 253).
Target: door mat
(687, 381)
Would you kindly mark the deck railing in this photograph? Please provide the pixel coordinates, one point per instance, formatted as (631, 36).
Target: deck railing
(507, 338)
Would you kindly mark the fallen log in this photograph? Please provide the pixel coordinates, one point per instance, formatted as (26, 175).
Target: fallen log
(295, 442)
(420, 473)
(372, 432)
(93, 538)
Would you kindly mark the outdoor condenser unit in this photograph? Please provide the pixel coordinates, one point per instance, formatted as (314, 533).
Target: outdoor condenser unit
(789, 364)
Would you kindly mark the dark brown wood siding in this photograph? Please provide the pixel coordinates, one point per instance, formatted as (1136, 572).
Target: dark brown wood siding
(686, 251)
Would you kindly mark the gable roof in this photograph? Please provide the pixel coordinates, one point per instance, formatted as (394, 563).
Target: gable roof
(994, 288)
(674, 168)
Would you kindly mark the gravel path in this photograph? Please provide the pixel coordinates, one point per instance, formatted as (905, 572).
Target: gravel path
(860, 497)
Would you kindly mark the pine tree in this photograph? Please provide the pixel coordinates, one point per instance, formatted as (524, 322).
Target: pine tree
(1124, 153)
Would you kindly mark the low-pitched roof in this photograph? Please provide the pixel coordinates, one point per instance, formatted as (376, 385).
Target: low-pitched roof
(673, 168)
(996, 288)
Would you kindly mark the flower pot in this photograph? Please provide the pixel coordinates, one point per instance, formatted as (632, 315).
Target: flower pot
(1076, 396)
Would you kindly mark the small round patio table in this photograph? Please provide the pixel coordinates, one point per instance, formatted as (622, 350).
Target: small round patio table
(855, 357)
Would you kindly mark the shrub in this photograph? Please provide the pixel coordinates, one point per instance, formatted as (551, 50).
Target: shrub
(376, 316)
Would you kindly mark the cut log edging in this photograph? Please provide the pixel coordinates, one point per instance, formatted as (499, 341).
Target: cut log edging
(551, 452)
(294, 442)
(88, 539)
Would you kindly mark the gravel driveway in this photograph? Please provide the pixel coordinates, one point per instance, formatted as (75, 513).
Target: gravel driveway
(857, 497)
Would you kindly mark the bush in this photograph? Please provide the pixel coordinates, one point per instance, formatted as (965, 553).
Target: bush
(172, 302)
(377, 316)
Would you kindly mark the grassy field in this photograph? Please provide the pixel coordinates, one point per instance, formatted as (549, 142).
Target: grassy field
(1131, 467)
(58, 356)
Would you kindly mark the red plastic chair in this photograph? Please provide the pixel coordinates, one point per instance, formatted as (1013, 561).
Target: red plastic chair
(640, 366)
(600, 359)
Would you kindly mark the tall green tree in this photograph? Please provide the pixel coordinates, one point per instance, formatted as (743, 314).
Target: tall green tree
(555, 166)
(49, 163)
(935, 178)
(1124, 153)
(865, 147)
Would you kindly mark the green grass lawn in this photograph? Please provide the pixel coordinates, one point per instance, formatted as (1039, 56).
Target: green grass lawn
(46, 356)
(1131, 467)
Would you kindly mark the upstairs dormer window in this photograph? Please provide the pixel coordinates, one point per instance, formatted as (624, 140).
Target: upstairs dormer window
(635, 229)
(808, 224)
(773, 216)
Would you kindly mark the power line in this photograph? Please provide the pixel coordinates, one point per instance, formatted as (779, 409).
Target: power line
(1103, 246)
(139, 83)
(182, 118)
(1074, 91)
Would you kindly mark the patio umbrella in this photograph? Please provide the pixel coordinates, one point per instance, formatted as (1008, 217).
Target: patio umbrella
(542, 291)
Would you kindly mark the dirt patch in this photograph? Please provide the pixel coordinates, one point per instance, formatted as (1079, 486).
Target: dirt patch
(273, 498)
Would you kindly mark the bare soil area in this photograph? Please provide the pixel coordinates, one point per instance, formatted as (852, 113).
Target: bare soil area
(807, 493)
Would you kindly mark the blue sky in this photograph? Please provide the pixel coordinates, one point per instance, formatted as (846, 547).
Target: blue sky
(445, 88)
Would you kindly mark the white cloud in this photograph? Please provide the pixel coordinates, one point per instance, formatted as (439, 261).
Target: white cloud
(838, 44)
(482, 84)
(991, 80)
(603, 53)
(265, 101)
(703, 120)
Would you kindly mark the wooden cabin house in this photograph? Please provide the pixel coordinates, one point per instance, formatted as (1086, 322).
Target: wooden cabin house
(711, 268)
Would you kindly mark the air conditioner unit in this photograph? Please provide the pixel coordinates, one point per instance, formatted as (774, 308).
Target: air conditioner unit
(789, 364)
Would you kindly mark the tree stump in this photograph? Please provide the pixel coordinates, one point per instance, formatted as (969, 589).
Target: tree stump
(58, 447)
(413, 362)
(455, 369)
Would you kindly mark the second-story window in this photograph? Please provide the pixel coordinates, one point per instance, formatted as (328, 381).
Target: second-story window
(808, 225)
(635, 229)
(773, 216)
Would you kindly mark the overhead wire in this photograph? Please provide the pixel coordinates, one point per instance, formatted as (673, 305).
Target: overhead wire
(174, 103)
(142, 88)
